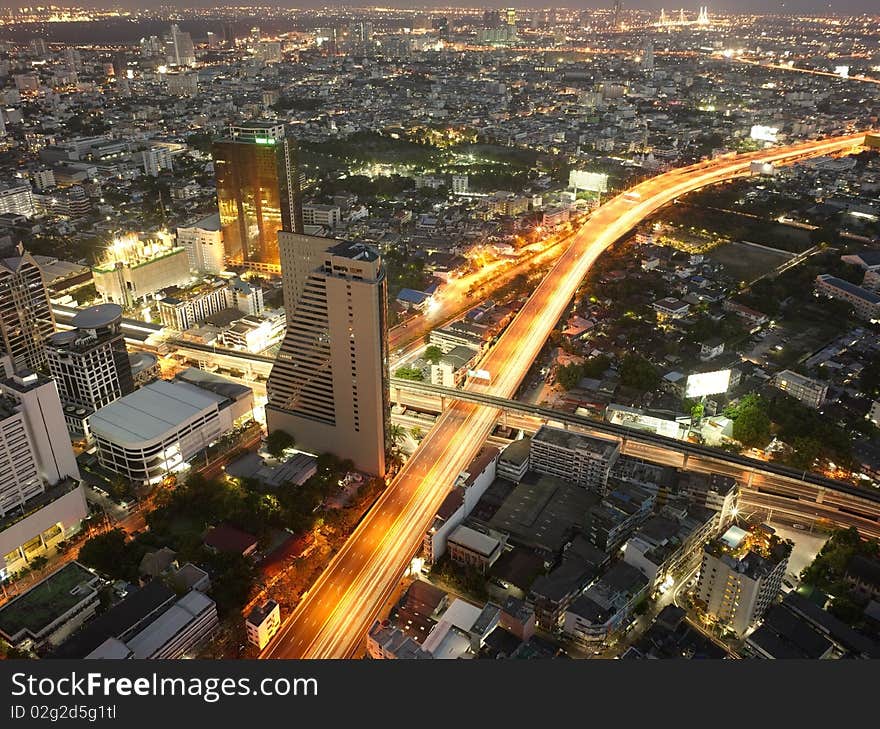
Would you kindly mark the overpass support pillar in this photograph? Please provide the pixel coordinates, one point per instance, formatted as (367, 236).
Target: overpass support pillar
(503, 418)
(684, 461)
(397, 396)
(820, 494)
(443, 403)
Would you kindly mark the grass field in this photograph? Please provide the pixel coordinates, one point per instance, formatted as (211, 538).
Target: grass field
(745, 263)
(45, 602)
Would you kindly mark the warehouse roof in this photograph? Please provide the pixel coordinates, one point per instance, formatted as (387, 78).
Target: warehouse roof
(152, 411)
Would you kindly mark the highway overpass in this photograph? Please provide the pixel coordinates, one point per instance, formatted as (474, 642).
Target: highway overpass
(331, 619)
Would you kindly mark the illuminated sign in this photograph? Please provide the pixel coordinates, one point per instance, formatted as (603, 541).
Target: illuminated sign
(480, 375)
(707, 383)
(590, 181)
(761, 133)
(842, 71)
(265, 140)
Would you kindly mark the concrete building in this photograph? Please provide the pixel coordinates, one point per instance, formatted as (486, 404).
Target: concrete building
(328, 216)
(53, 608)
(581, 459)
(329, 385)
(670, 544)
(258, 192)
(203, 242)
(741, 575)
(605, 605)
(173, 634)
(452, 368)
(17, 199)
(26, 318)
(472, 548)
(155, 430)
(41, 499)
(262, 623)
(469, 488)
(90, 363)
(865, 303)
(805, 389)
(134, 270)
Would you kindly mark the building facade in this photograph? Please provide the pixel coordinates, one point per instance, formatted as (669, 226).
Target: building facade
(26, 318)
(329, 385)
(258, 193)
(203, 242)
(90, 363)
(573, 457)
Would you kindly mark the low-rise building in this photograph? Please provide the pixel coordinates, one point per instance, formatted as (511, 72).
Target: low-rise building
(53, 608)
(605, 606)
(804, 389)
(581, 459)
(472, 548)
(470, 486)
(155, 430)
(262, 623)
(865, 303)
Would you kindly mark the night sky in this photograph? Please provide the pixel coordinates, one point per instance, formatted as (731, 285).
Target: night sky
(840, 7)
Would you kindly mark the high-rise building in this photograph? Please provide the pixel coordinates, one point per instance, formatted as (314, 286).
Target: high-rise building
(203, 243)
(26, 317)
(258, 192)
(740, 576)
(41, 498)
(329, 385)
(179, 49)
(90, 363)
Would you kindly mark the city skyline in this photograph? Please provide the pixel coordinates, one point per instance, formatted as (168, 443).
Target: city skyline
(462, 334)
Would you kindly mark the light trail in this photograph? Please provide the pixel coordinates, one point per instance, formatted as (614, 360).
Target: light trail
(331, 620)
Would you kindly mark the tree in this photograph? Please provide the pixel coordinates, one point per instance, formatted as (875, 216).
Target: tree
(433, 353)
(568, 376)
(638, 373)
(278, 442)
(410, 373)
(752, 427)
(108, 553)
(417, 433)
(396, 434)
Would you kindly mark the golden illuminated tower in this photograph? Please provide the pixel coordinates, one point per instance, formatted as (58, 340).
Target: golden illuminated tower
(257, 192)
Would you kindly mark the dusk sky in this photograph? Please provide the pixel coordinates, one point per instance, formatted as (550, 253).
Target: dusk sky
(773, 6)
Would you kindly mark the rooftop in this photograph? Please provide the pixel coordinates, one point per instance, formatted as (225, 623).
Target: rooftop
(572, 441)
(152, 411)
(35, 610)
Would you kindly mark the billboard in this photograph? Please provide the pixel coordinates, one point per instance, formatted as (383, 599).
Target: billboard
(761, 133)
(842, 71)
(590, 181)
(707, 383)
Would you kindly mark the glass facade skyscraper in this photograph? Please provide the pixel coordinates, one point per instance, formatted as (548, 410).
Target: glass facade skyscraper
(257, 192)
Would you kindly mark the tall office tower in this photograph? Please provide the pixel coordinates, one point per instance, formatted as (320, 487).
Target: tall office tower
(26, 317)
(180, 50)
(41, 497)
(257, 192)
(648, 57)
(89, 363)
(329, 385)
(615, 20)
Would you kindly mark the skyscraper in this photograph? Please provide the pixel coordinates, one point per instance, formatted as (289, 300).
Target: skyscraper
(329, 385)
(26, 317)
(90, 363)
(39, 476)
(258, 192)
(180, 50)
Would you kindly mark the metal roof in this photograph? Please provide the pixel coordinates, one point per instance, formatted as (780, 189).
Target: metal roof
(151, 412)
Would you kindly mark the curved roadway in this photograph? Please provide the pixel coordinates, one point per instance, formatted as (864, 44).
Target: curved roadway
(331, 620)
